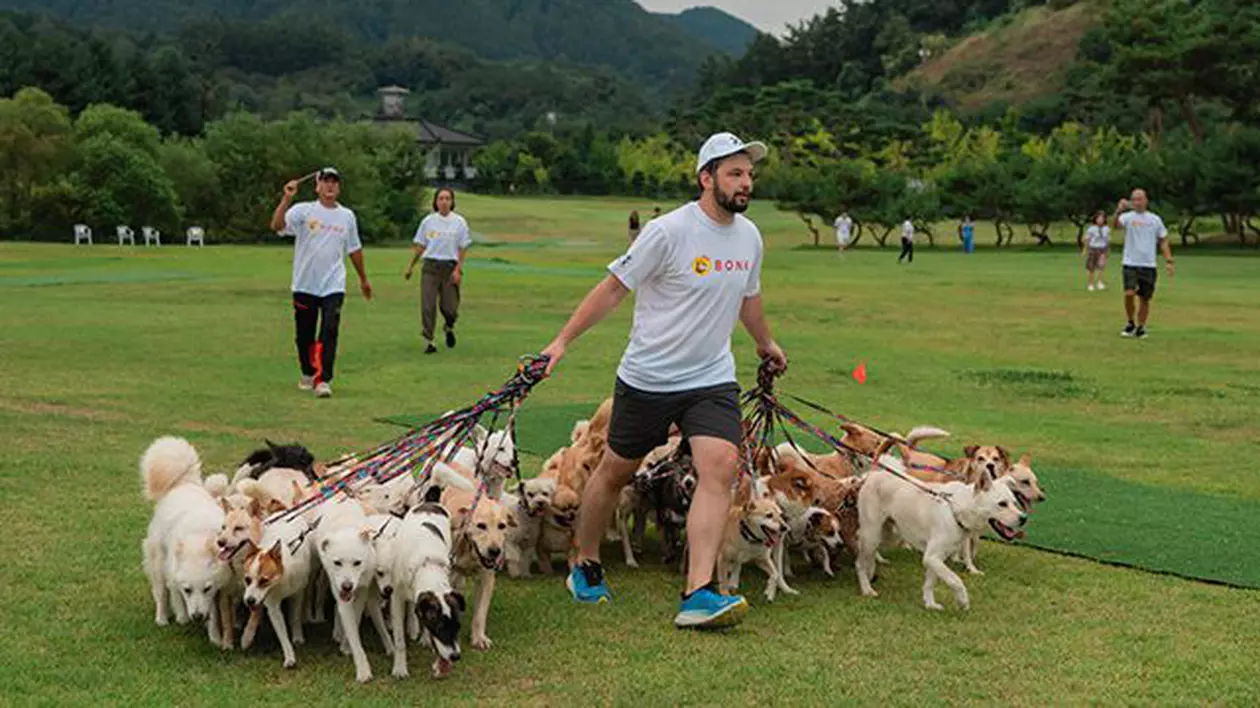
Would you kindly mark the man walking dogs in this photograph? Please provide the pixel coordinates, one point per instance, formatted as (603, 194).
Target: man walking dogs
(695, 271)
(1143, 232)
(324, 232)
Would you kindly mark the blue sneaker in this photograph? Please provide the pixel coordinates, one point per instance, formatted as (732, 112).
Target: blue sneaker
(706, 608)
(586, 582)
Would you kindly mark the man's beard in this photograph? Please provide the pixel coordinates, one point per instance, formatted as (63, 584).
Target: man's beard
(729, 202)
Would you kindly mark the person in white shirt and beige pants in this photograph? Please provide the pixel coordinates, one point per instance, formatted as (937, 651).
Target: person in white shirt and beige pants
(442, 240)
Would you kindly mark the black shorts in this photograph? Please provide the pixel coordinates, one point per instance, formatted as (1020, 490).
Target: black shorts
(641, 419)
(1141, 281)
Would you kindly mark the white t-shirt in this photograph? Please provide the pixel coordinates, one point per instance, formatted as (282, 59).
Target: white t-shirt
(907, 231)
(1098, 236)
(843, 225)
(1142, 234)
(442, 237)
(690, 276)
(323, 238)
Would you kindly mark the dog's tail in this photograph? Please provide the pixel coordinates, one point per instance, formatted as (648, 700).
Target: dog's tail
(169, 462)
(446, 476)
(217, 485)
(924, 432)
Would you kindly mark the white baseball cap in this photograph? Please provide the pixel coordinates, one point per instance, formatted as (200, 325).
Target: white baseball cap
(721, 145)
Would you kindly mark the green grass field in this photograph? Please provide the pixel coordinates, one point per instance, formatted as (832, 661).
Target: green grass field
(104, 349)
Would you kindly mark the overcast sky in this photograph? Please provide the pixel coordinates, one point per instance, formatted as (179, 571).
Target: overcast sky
(769, 15)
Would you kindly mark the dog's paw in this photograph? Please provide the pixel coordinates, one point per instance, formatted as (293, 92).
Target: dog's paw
(400, 672)
(363, 676)
(974, 570)
(936, 606)
(829, 572)
(290, 663)
(482, 642)
(632, 563)
(870, 593)
(299, 640)
(791, 591)
(345, 649)
(161, 621)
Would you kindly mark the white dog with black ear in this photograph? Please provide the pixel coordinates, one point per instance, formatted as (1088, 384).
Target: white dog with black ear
(422, 585)
(181, 557)
(936, 519)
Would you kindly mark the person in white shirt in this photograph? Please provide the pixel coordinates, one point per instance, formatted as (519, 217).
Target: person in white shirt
(844, 226)
(1096, 247)
(442, 239)
(324, 232)
(1144, 233)
(695, 272)
(907, 241)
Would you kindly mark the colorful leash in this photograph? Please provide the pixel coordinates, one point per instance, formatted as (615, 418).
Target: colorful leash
(419, 450)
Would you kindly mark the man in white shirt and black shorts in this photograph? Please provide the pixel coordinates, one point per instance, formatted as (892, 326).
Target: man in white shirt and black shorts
(324, 233)
(696, 271)
(1144, 231)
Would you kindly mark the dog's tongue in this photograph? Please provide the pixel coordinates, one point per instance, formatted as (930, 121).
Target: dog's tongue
(442, 668)
(225, 554)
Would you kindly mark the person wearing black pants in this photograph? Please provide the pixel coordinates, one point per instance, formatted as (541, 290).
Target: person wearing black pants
(324, 233)
(907, 242)
(314, 315)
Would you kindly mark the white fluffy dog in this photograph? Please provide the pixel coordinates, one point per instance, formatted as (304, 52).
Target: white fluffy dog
(181, 558)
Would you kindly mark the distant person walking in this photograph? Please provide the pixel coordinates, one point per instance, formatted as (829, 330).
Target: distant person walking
(844, 227)
(1096, 248)
(634, 225)
(442, 240)
(656, 212)
(907, 241)
(967, 232)
(1144, 233)
(324, 232)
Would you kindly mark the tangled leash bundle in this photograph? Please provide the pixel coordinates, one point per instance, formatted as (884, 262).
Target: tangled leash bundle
(766, 413)
(419, 450)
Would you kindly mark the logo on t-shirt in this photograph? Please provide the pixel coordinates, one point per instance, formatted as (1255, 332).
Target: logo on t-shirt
(702, 265)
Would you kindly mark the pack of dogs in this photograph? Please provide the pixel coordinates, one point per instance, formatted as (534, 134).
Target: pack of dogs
(221, 551)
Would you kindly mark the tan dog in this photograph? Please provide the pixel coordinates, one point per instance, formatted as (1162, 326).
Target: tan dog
(480, 548)
(1024, 485)
(754, 532)
(558, 526)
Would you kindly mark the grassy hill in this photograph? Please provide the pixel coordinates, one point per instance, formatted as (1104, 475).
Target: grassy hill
(1016, 59)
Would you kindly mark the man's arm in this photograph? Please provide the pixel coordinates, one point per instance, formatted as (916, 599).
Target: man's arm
(277, 217)
(356, 257)
(601, 300)
(753, 314)
(1121, 208)
(1168, 259)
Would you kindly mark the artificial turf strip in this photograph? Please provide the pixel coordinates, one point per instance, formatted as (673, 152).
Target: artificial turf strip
(1087, 514)
(1160, 529)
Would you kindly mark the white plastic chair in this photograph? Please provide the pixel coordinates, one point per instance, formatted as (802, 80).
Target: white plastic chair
(151, 234)
(125, 234)
(197, 235)
(82, 234)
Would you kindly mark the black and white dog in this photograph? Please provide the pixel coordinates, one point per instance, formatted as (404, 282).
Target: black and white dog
(422, 584)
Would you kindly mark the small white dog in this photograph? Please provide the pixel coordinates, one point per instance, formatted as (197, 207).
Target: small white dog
(939, 527)
(181, 557)
(529, 503)
(348, 556)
